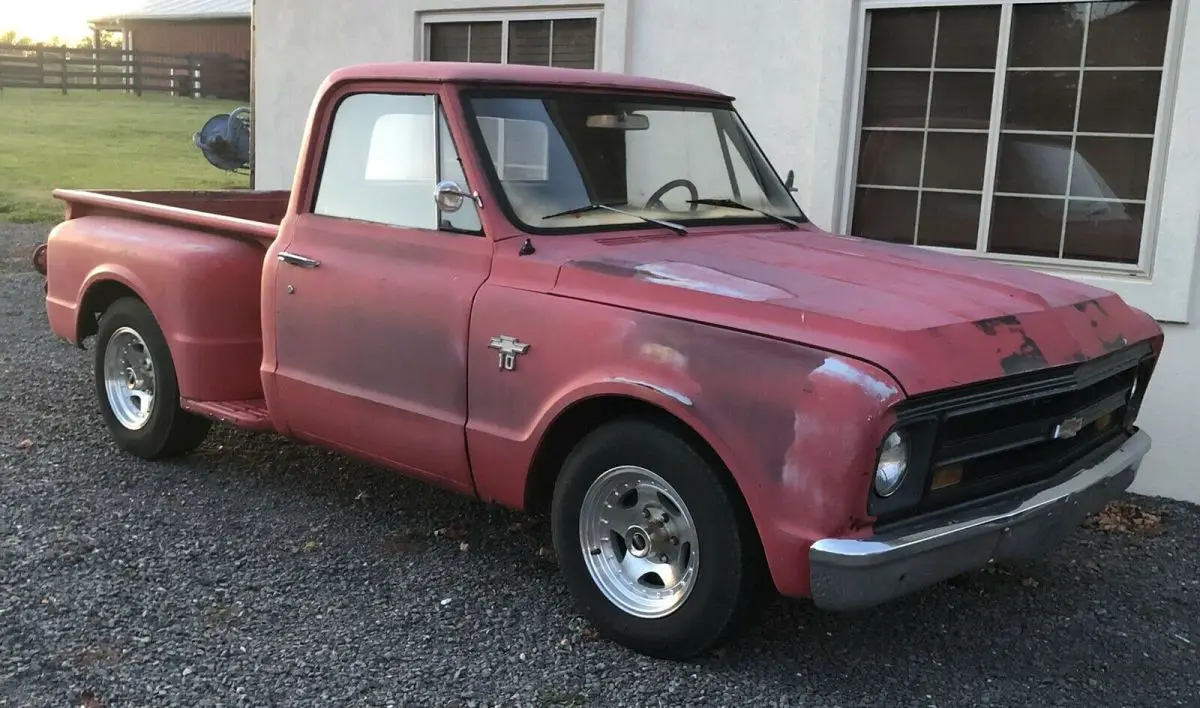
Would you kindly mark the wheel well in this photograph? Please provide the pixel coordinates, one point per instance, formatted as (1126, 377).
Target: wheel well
(98, 298)
(585, 416)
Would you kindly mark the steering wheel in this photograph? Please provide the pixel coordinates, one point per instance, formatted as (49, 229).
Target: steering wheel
(656, 198)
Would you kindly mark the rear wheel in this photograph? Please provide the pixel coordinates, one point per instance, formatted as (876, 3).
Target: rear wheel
(654, 543)
(137, 387)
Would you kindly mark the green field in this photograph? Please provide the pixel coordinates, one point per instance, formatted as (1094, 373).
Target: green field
(99, 140)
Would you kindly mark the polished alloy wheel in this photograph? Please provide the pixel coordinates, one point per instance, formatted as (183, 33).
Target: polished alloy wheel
(638, 541)
(129, 378)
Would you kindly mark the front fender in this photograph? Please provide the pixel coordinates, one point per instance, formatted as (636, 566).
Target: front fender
(798, 428)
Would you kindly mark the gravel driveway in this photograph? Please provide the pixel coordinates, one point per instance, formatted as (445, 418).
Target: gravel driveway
(261, 572)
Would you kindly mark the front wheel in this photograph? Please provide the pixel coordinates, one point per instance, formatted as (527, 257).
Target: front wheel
(654, 543)
(137, 387)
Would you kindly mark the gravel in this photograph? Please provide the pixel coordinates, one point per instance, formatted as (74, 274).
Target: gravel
(261, 572)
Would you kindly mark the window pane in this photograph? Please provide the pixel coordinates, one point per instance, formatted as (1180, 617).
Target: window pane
(885, 215)
(1033, 164)
(1111, 168)
(1104, 231)
(901, 38)
(949, 220)
(1026, 226)
(961, 101)
(380, 162)
(1119, 102)
(574, 44)
(485, 42)
(1043, 100)
(890, 157)
(896, 99)
(465, 41)
(955, 161)
(529, 42)
(1128, 33)
(448, 41)
(1047, 35)
(967, 37)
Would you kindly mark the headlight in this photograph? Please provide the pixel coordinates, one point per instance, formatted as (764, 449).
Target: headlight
(893, 463)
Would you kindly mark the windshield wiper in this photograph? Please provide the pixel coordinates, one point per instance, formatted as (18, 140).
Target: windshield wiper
(730, 204)
(594, 206)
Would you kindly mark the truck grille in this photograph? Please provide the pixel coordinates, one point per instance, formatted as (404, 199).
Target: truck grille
(983, 439)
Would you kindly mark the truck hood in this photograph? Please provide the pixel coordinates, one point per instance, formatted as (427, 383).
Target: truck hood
(932, 320)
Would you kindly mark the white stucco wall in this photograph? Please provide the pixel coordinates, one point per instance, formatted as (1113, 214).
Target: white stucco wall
(790, 64)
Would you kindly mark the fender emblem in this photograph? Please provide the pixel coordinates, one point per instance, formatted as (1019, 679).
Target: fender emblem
(509, 348)
(1069, 428)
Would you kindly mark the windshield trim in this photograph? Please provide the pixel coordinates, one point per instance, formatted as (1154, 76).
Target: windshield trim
(475, 135)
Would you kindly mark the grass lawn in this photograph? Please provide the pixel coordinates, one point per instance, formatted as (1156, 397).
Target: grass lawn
(99, 140)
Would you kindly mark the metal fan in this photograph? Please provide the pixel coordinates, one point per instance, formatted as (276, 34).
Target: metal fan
(225, 140)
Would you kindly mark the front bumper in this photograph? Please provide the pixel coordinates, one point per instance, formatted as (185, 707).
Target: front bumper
(852, 574)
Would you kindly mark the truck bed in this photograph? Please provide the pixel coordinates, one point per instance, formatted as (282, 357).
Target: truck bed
(235, 212)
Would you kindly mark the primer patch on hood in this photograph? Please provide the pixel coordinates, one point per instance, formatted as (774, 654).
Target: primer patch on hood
(708, 280)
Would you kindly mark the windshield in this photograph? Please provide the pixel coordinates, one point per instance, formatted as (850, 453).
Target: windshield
(563, 152)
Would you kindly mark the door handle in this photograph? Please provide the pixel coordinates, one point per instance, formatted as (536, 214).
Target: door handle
(298, 260)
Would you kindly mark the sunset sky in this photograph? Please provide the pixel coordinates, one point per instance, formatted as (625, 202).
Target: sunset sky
(42, 19)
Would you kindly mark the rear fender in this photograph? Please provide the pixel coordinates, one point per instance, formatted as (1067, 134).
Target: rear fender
(202, 288)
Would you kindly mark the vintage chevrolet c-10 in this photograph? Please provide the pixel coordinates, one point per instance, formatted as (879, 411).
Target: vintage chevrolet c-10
(591, 295)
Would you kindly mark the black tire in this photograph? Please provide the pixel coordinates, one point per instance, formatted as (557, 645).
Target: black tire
(170, 430)
(729, 581)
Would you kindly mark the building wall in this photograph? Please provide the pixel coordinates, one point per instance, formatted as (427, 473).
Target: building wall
(230, 37)
(792, 67)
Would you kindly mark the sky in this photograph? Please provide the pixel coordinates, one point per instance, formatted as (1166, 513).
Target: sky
(42, 19)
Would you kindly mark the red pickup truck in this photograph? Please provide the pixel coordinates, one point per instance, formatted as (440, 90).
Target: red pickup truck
(591, 294)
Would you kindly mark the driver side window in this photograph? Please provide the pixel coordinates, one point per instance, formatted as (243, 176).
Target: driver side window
(382, 163)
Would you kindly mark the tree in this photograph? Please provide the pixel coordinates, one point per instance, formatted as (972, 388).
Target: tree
(108, 40)
(11, 37)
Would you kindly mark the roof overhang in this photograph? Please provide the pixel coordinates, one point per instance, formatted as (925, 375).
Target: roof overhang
(117, 22)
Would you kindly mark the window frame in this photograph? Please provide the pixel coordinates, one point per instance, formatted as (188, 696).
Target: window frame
(504, 17)
(1169, 294)
(440, 115)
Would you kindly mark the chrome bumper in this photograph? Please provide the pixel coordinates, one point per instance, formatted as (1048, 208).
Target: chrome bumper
(852, 574)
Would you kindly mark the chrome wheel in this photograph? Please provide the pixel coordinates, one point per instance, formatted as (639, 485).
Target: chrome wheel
(638, 541)
(129, 381)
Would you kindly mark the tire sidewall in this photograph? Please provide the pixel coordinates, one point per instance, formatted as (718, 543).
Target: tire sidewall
(703, 618)
(151, 438)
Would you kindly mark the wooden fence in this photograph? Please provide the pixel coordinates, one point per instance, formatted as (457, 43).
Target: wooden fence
(70, 69)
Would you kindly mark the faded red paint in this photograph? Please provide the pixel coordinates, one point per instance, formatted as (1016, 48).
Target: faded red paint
(785, 350)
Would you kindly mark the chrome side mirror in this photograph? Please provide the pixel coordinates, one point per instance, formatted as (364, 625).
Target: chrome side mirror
(449, 196)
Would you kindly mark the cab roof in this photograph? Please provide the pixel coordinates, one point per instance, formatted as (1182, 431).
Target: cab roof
(484, 73)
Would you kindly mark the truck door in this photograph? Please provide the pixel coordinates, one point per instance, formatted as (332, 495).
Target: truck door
(373, 291)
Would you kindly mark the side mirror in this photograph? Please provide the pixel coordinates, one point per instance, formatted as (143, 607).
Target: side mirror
(449, 196)
(790, 180)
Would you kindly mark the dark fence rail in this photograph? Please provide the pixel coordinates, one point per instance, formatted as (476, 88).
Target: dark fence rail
(70, 69)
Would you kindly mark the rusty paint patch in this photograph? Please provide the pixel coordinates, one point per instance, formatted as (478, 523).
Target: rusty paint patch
(994, 325)
(1028, 357)
(1112, 345)
(1025, 354)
